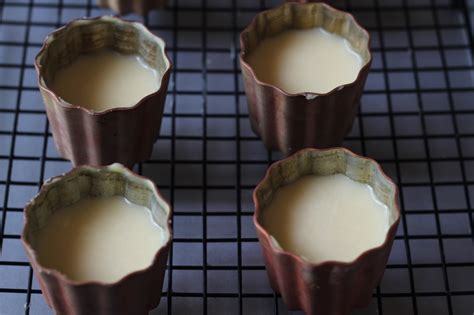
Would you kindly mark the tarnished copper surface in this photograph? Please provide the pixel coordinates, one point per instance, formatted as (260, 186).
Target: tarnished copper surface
(327, 288)
(289, 122)
(124, 135)
(137, 292)
(141, 7)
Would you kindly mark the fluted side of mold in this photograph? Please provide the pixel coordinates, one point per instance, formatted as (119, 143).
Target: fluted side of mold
(289, 122)
(329, 288)
(125, 135)
(136, 293)
(141, 7)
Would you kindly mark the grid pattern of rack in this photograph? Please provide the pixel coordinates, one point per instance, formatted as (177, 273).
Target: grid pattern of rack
(416, 118)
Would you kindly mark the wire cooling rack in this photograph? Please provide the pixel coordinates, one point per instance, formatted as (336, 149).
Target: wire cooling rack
(416, 118)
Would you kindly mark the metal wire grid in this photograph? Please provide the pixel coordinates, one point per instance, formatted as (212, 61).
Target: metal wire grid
(416, 118)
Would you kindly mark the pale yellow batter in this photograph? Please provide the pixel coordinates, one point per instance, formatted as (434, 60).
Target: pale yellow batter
(327, 218)
(100, 239)
(310, 60)
(106, 79)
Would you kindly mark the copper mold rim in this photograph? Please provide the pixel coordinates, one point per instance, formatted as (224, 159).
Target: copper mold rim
(289, 122)
(141, 7)
(66, 293)
(283, 266)
(121, 134)
(308, 95)
(111, 19)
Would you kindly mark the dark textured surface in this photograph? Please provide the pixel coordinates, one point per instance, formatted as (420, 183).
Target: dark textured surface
(327, 288)
(290, 122)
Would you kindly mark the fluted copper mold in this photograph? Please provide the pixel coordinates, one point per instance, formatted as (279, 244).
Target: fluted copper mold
(289, 122)
(331, 287)
(137, 292)
(141, 7)
(125, 135)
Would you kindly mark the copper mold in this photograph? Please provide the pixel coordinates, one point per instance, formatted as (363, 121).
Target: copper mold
(125, 135)
(137, 292)
(141, 7)
(289, 122)
(330, 287)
